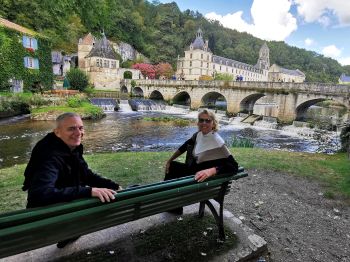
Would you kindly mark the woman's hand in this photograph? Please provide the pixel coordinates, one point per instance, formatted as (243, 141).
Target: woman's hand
(204, 174)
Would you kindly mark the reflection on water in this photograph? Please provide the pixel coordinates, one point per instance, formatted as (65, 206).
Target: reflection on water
(129, 132)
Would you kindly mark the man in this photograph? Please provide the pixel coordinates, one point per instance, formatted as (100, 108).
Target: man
(57, 171)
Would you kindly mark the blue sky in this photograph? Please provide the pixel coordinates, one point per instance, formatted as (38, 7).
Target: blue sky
(322, 26)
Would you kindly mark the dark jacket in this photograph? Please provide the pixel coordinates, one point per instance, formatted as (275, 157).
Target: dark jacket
(223, 165)
(56, 174)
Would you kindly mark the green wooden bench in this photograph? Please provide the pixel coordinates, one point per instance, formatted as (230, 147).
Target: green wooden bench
(29, 229)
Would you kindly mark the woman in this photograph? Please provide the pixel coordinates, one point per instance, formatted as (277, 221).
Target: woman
(207, 154)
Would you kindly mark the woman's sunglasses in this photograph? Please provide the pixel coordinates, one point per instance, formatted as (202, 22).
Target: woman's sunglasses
(204, 120)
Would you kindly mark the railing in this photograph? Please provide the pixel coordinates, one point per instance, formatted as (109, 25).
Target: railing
(319, 88)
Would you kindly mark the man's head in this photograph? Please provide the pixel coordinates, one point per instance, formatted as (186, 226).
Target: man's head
(70, 129)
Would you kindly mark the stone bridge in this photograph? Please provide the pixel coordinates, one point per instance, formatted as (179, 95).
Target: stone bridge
(290, 100)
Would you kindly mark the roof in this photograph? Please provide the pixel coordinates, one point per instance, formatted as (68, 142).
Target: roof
(233, 63)
(344, 78)
(103, 48)
(89, 39)
(19, 28)
(286, 71)
(199, 43)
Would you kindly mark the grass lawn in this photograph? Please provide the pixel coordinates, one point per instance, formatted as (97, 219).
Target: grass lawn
(333, 171)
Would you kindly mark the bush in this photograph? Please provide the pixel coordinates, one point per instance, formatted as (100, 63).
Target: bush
(78, 79)
(75, 101)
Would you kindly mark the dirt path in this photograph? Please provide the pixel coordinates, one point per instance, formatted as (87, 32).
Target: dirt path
(293, 216)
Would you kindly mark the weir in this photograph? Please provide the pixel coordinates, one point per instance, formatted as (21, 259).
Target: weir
(107, 104)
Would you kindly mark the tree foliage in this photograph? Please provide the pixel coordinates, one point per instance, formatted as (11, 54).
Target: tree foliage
(147, 70)
(78, 79)
(159, 31)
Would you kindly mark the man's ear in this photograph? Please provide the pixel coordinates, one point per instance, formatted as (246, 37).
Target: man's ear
(57, 132)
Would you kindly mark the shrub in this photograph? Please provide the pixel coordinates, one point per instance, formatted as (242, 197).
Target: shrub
(78, 79)
(75, 101)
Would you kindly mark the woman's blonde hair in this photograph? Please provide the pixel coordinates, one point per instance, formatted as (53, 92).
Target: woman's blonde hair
(212, 117)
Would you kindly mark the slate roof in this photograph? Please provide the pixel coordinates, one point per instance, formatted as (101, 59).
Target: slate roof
(233, 63)
(199, 43)
(103, 49)
(296, 72)
(344, 78)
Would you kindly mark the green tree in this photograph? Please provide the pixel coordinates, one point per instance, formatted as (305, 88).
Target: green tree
(78, 79)
(225, 77)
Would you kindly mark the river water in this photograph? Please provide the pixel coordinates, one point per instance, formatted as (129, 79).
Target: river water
(128, 131)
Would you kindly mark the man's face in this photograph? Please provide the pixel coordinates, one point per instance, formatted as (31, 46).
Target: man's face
(71, 131)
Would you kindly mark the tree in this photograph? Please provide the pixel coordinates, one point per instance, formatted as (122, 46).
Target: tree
(78, 79)
(225, 77)
(147, 70)
(164, 70)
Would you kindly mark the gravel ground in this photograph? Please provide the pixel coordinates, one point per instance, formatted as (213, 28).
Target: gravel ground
(293, 216)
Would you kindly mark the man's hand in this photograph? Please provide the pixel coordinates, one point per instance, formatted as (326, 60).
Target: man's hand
(104, 194)
(204, 174)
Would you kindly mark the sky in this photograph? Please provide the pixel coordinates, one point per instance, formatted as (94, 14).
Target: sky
(322, 26)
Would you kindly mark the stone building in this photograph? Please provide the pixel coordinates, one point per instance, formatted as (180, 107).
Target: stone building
(280, 74)
(99, 60)
(31, 59)
(344, 79)
(200, 61)
(61, 64)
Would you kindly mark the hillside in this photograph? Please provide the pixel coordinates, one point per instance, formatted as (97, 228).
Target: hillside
(160, 31)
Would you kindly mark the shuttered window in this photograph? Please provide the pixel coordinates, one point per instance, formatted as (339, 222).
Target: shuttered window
(29, 42)
(30, 62)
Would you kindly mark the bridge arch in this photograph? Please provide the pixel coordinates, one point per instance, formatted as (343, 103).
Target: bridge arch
(302, 109)
(124, 90)
(211, 100)
(247, 103)
(182, 98)
(137, 91)
(156, 95)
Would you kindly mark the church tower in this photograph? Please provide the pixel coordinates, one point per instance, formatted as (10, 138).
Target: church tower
(264, 57)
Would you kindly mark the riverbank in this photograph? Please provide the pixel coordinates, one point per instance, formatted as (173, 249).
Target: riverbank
(47, 107)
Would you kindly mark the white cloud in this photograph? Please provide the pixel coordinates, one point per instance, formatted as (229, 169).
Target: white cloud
(322, 11)
(271, 20)
(309, 42)
(331, 51)
(344, 60)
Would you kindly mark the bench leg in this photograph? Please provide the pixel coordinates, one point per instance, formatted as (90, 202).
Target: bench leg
(219, 218)
(201, 209)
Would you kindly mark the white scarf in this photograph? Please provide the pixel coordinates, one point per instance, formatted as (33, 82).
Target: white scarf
(207, 142)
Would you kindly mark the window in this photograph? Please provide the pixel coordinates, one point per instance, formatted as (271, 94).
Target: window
(190, 56)
(190, 63)
(201, 56)
(201, 64)
(113, 64)
(105, 63)
(30, 62)
(29, 42)
(207, 57)
(99, 62)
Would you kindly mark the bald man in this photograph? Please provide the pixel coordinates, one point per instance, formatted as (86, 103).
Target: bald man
(57, 171)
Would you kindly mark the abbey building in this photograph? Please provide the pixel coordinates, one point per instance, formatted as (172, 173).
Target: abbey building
(199, 61)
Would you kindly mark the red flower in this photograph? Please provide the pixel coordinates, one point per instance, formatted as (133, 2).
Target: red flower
(30, 49)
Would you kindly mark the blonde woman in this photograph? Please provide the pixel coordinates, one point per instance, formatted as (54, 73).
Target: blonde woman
(207, 154)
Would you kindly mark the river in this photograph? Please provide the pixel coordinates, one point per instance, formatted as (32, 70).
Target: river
(128, 131)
